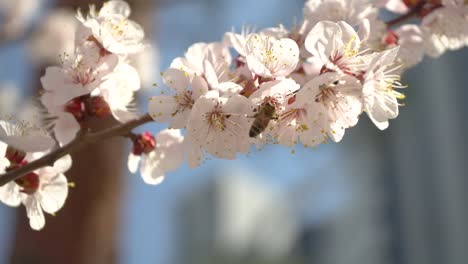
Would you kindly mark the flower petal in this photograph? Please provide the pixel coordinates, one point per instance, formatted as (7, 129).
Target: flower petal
(133, 162)
(54, 193)
(162, 107)
(34, 212)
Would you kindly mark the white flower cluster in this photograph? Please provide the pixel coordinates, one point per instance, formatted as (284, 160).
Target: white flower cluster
(442, 25)
(304, 85)
(95, 81)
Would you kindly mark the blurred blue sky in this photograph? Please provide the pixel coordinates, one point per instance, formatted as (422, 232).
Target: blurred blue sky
(148, 220)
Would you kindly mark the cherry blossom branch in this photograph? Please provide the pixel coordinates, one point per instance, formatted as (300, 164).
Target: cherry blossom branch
(413, 12)
(80, 141)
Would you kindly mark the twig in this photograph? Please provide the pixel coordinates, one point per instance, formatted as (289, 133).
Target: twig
(79, 142)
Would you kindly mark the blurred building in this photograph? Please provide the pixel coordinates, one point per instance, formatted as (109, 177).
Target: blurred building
(240, 218)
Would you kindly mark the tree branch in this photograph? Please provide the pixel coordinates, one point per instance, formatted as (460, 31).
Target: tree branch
(79, 142)
(413, 12)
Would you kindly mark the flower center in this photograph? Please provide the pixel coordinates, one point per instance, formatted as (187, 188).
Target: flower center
(82, 77)
(327, 94)
(216, 118)
(184, 101)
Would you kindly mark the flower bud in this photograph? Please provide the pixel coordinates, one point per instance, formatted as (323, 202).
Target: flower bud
(28, 183)
(76, 107)
(144, 143)
(15, 156)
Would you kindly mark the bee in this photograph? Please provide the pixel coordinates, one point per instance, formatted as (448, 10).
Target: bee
(266, 112)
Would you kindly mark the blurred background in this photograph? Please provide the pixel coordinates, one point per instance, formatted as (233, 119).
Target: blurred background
(394, 196)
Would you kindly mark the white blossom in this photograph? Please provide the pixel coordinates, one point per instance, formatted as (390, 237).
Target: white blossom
(218, 125)
(353, 12)
(176, 108)
(25, 136)
(333, 102)
(380, 98)
(267, 56)
(167, 155)
(44, 190)
(337, 46)
(275, 92)
(118, 91)
(78, 75)
(446, 27)
(112, 28)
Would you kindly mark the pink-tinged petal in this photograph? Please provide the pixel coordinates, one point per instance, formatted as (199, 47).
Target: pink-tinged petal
(162, 107)
(312, 136)
(349, 36)
(229, 88)
(170, 149)
(32, 143)
(194, 155)
(278, 89)
(3, 146)
(53, 194)
(324, 37)
(257, 67)
(66, 128)
(384, 59)
(151, 172)
(411, 39)
(210, 73)
(4, 163)
(180, 120)
(115, 7)
(195, 54)
(34, 212)
(124, 115)
(133, 162)
(383, 108)
(184, 65)
(10, 194)
(237, 41)
(106, 65)
(63, 164)
(54, 79)
(176, 79)
(199, 87)
(60, 84)
(364, 30)
(287, 56)
(287, 136)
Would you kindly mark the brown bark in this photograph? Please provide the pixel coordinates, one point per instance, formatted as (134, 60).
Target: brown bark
(86, 229)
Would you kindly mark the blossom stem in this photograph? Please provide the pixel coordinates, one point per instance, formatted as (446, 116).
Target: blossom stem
(80, 141)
